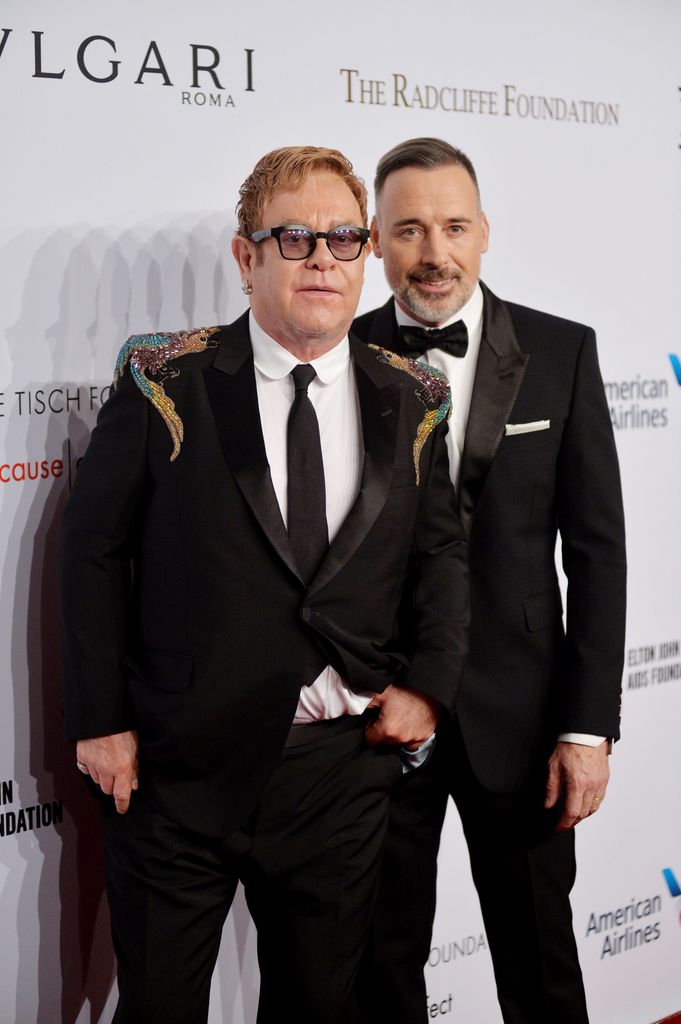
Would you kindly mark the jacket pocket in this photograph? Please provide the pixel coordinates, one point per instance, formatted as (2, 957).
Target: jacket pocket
(532, 437)
(170, 672)
(543, 610)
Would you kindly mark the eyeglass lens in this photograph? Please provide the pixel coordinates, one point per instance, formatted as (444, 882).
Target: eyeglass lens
(298, 243)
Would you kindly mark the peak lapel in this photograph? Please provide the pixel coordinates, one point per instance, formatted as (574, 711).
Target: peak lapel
(384, 330)
(498, 375)
(379, 400)
(230, 383)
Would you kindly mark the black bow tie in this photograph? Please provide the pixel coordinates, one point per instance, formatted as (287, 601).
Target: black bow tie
(414, 341)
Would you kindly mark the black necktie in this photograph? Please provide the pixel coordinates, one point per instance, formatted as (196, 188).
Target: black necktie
(414, 341)
(307, 527)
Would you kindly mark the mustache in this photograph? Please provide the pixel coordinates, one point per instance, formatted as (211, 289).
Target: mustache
(432, 275)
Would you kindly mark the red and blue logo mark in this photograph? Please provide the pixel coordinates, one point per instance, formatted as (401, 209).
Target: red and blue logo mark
(676, 367)
(674, 888)
(670, 879)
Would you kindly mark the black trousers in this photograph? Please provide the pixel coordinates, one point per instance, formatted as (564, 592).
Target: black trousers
(523, 871)
(308, 858)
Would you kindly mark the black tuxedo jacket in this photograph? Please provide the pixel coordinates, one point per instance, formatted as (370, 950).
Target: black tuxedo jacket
(526, 679)
(184, 615)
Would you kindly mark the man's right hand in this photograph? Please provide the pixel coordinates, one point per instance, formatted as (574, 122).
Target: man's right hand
(406, 717)
(111, 762)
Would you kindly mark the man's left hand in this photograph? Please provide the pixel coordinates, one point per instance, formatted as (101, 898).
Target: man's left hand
(581, 774)
(406, 717)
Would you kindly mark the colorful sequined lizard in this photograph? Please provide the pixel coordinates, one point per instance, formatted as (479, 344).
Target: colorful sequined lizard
(153, 352)
(435, 388)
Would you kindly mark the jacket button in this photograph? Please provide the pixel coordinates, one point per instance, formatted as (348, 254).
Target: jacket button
(306, 614)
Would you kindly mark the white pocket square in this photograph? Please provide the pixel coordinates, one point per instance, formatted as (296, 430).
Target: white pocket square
(527, 428)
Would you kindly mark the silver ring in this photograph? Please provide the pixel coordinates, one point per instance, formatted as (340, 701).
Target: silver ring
(82, 767)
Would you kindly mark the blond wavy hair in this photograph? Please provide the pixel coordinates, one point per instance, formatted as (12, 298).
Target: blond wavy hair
(285, 170)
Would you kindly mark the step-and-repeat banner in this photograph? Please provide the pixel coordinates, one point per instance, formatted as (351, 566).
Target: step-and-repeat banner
(126, 130)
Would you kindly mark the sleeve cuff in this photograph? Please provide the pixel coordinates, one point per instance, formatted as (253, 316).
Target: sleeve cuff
(585, 738)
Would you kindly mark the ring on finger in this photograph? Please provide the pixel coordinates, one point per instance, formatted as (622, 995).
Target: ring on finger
(82, 767)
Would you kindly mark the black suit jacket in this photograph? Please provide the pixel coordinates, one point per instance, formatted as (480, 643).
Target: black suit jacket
(184, 615)
(526, 680)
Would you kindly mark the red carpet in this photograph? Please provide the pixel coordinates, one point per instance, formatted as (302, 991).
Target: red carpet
(674, 1019)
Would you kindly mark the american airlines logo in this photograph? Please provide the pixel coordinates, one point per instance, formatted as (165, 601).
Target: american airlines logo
(676, 366)
(674, 888)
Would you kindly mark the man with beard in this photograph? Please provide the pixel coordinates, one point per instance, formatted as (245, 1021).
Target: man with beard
(532, 453)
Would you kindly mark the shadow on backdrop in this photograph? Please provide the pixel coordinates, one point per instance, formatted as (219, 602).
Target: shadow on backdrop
(83, 292)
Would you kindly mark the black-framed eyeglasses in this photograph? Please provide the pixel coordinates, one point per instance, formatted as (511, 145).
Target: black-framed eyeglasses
(296, 242)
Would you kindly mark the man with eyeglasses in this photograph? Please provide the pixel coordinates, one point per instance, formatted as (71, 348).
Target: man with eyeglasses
(264, 611)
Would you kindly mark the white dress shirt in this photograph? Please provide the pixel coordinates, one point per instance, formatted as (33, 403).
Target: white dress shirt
(333, 394)
(461, 374)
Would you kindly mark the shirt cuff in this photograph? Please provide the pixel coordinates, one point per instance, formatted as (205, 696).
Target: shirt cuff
(415, 758)
(585, 738)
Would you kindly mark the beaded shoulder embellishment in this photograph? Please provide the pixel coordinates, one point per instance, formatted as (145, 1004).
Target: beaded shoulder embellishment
(153, 352)
(434, 389)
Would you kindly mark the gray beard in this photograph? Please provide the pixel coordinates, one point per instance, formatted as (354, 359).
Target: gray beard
(430, 310)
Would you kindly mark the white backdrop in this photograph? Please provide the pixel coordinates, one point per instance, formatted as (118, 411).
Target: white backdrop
(120, 173)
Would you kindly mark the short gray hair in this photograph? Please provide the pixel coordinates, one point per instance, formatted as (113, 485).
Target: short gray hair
(424, 152)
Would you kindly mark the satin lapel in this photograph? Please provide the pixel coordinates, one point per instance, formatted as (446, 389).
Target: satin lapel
(379, 400)
(384, 330)
(498, 375)
(230, 383)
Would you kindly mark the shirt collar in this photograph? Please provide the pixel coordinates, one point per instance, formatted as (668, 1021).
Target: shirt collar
(276, 362)
(471, 314)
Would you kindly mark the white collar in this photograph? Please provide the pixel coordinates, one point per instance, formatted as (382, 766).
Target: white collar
(276, 362)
